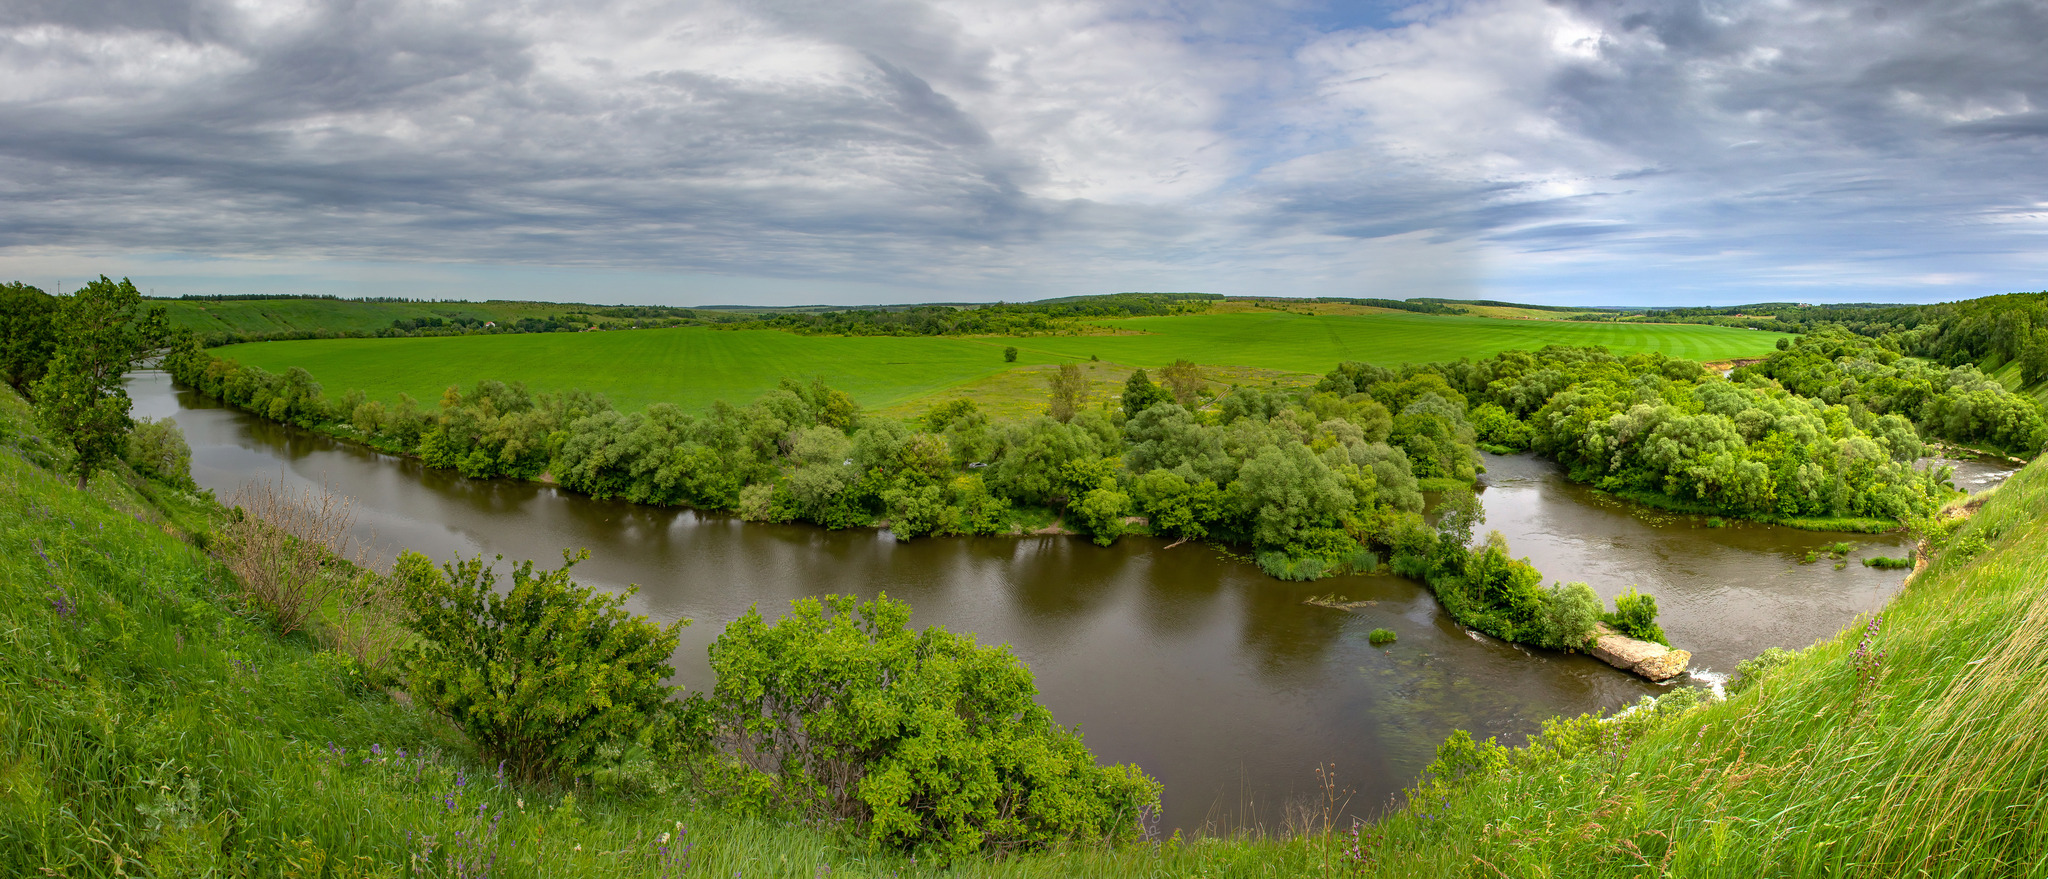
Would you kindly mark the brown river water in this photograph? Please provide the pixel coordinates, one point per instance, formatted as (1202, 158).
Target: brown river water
(1216, 679)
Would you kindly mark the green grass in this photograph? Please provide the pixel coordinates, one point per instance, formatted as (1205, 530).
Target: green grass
(1911, 745)
(692, 366)
(150, 726)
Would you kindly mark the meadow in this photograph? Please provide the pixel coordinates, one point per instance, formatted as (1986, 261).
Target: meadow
(693, 366)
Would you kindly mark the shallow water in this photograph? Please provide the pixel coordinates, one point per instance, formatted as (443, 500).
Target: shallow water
(1216, 679)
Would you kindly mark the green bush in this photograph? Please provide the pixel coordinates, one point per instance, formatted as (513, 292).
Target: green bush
(1569, 615)
(539, 676)
(156, 448)
(1888, 563)
(929, 741)
(1750, 671)
(1635, 615)
(1381, 636)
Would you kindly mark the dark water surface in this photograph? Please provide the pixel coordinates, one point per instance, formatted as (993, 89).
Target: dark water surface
(1216, 679)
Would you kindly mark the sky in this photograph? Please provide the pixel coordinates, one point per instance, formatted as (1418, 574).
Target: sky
(883, 151)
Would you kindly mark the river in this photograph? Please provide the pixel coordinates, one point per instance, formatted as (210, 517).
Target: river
(1213, 677)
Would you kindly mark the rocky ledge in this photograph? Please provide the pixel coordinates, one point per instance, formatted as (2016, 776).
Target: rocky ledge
(1647, 658)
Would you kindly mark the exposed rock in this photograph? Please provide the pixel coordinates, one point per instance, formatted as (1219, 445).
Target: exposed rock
(1647, 658)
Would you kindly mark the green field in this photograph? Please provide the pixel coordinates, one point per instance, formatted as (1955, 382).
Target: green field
(341, 316)
(694, 366)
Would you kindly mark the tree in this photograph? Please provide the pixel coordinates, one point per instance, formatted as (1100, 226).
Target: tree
(28, 333)
(1069, 392)
(924, 738)
(539, 675)
(1010, 354)
(1140, 393)
(102, 332)
(1184, 379)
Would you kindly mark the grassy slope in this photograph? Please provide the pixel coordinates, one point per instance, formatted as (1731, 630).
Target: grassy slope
(694, 366)
(1929, 751)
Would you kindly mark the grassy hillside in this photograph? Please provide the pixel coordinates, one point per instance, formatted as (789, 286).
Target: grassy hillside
(693, 366)
(1914, 745)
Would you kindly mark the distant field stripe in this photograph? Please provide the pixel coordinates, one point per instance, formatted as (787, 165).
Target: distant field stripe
(694, 366)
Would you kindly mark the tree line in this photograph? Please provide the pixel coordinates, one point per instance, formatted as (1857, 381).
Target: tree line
(1313, 483)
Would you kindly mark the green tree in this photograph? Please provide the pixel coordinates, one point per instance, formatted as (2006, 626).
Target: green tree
(1184, 379)
(1069, 392)
(28, 333)
(924, 738)
(1140, 393)
(157, 448)
(1010, 354)
(540, 675)
(102, 332)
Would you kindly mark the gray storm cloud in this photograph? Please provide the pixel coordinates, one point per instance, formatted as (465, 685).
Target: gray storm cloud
(1619, 152)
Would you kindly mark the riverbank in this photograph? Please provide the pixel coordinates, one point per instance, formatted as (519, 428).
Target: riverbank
(1914, 742)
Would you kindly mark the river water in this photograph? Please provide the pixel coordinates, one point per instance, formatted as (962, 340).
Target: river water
(1213, 677)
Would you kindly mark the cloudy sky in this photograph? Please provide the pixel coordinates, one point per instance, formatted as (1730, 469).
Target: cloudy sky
(910, 150)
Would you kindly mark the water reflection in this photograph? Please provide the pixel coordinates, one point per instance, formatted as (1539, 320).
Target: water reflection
(1213, 677)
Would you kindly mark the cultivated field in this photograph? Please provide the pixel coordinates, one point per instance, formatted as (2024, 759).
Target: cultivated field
(694, 366)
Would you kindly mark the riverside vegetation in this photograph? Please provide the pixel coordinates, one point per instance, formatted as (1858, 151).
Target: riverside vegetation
(156, 724)
(142, 664)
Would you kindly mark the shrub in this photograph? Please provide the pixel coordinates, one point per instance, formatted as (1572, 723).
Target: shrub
(1569, 614)
(1635, 615)
(541, 675)
(930, 741)
(1750, 671)
(1010, 354)
(287, 550)
(157, 449)
(1381, 636)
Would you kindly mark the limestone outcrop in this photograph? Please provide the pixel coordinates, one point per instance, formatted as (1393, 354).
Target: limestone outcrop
(1647, 658)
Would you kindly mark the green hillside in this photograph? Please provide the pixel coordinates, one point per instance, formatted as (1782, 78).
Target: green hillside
(692, 366)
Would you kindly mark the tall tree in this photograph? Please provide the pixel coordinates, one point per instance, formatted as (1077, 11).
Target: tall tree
(28, 333)
(102, 332)
(1184, 379)
(1140, 393)
(1069, 392)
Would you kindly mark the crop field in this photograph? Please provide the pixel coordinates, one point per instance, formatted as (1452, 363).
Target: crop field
(693, 366)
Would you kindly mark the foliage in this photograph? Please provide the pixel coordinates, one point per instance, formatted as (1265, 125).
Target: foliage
(1140, 393)
(157, 449)
(1888, 563)
(541, 675)
(1069, 393)
(1959, 403)
(102, 332)
(1635, 615)
(925, 739)
(28, 333)
(1381, 636)
(1010, 354)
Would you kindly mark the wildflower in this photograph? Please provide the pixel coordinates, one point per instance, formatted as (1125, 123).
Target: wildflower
(579, 846)
(522, 803)
(662, 839)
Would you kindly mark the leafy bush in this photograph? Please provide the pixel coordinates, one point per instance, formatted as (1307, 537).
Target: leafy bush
(930, 741)
(1752, 670)
(1635, 615)
(156, 448)
(540, 676)
(1570, 613)
(1381, 636)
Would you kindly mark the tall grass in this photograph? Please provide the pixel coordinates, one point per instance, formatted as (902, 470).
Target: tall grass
(1913, 744)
